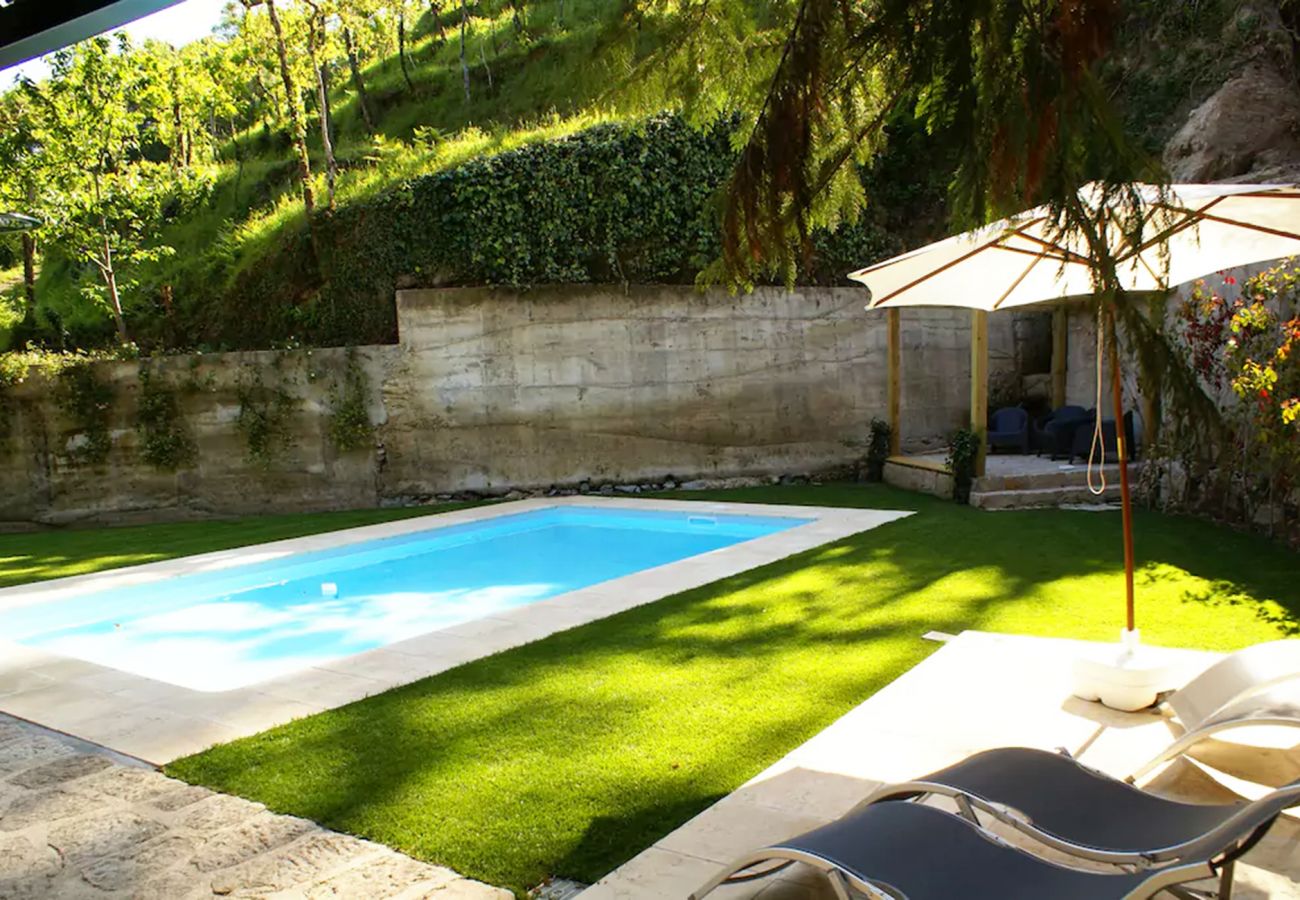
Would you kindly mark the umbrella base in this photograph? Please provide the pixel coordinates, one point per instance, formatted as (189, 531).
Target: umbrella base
(1126, 676)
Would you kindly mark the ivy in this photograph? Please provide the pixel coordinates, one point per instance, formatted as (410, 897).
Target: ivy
(349, 423)
(617, 203)
(86, 401)
(264, 420)
(165, 442)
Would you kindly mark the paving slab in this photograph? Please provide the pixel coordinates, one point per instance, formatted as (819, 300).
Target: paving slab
(78, 824)
(977, 692)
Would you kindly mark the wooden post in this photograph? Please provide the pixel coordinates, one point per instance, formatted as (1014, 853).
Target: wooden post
(1126, 501)
(979, 384)
(1060, 347)
(895, 379)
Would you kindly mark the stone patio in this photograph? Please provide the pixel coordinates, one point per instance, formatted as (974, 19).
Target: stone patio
(977, 692)
(81, 824)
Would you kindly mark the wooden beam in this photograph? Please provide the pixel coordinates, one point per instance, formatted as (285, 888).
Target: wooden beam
(895, 378)
(1060, 348)
(979, 384)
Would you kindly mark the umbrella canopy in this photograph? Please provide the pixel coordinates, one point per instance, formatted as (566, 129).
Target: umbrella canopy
(1155, 237)
(17, 222)
(1187, 231)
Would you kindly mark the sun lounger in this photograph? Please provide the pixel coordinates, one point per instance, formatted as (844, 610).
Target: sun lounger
(916, 852)
(1083, 813)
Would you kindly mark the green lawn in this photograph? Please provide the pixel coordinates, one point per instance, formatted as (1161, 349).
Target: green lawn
(568, 756)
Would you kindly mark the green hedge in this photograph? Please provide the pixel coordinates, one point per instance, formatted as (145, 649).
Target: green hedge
(616, 203)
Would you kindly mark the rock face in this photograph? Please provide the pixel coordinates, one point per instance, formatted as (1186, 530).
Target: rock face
(1249, 129)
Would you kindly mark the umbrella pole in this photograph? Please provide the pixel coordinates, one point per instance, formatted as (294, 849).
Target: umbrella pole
(1126, 501)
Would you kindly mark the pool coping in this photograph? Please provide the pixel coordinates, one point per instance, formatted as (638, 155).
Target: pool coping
(158, 722)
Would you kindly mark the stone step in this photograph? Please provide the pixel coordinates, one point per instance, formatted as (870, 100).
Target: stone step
(1073, 476)
(1048, 496)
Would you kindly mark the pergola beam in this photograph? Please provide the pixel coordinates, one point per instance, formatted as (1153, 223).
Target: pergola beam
(979, 385)
(895, 379)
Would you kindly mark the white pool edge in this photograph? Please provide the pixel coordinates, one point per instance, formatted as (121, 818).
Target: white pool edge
(158, 722)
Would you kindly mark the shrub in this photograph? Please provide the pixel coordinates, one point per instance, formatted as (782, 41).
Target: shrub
(963, 449)
(878, 448)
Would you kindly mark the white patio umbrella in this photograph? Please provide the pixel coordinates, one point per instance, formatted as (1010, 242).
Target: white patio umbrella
(1188, 231)
(17, 222)
(1155, 237)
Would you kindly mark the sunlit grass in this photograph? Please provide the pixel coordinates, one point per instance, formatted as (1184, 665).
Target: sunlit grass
(568, 756)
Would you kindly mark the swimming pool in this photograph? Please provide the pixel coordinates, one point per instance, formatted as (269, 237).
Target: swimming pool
(217, 631)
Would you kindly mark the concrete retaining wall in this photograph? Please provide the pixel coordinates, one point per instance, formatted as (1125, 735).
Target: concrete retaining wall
(493, 390)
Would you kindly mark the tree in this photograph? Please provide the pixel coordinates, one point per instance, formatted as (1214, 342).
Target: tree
(464, 64)
(401, 43)
(293, 107)
(89, 125)
(349, 16)
(1014, 86)
(317, 38)
(21, 181)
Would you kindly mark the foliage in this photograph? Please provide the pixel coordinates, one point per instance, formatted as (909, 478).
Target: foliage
(86, 401)
(1243, 344)
(963, 449)
(1014, 89)
(90, 122)
(878, 448)
(608, 736)
(349, 424)
(165, 442)
(265, 414)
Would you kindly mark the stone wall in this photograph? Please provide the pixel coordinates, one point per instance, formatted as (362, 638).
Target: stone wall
(490, 391)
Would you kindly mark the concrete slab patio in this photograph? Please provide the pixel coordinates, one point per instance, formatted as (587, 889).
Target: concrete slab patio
(977, 692)
(79, 824)
(158, 722)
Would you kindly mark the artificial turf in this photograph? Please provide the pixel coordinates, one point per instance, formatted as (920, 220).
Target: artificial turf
(568, 756)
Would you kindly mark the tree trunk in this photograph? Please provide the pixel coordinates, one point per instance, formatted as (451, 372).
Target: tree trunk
(358, 84)
(110, 281)
(179, 156)
(435, 10)
(464, 64)
(518, 15)
(292, 100)
(401, 49)
(29, 269)
(316, 31)
(483, 56)
(29, 259)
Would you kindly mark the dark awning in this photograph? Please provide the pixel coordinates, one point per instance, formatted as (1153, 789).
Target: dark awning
(32, 28)
(17, 222)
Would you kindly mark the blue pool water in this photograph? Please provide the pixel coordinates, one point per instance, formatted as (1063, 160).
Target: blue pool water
(242, 625)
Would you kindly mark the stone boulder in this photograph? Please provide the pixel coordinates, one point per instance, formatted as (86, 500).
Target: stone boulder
(1248, 130)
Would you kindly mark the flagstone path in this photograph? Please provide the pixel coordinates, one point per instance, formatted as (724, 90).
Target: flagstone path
(76, 823)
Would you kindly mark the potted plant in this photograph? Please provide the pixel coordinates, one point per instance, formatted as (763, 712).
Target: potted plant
(963, 448)
(878, 449)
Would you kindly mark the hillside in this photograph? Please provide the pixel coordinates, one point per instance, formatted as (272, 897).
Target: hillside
(563, 164)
